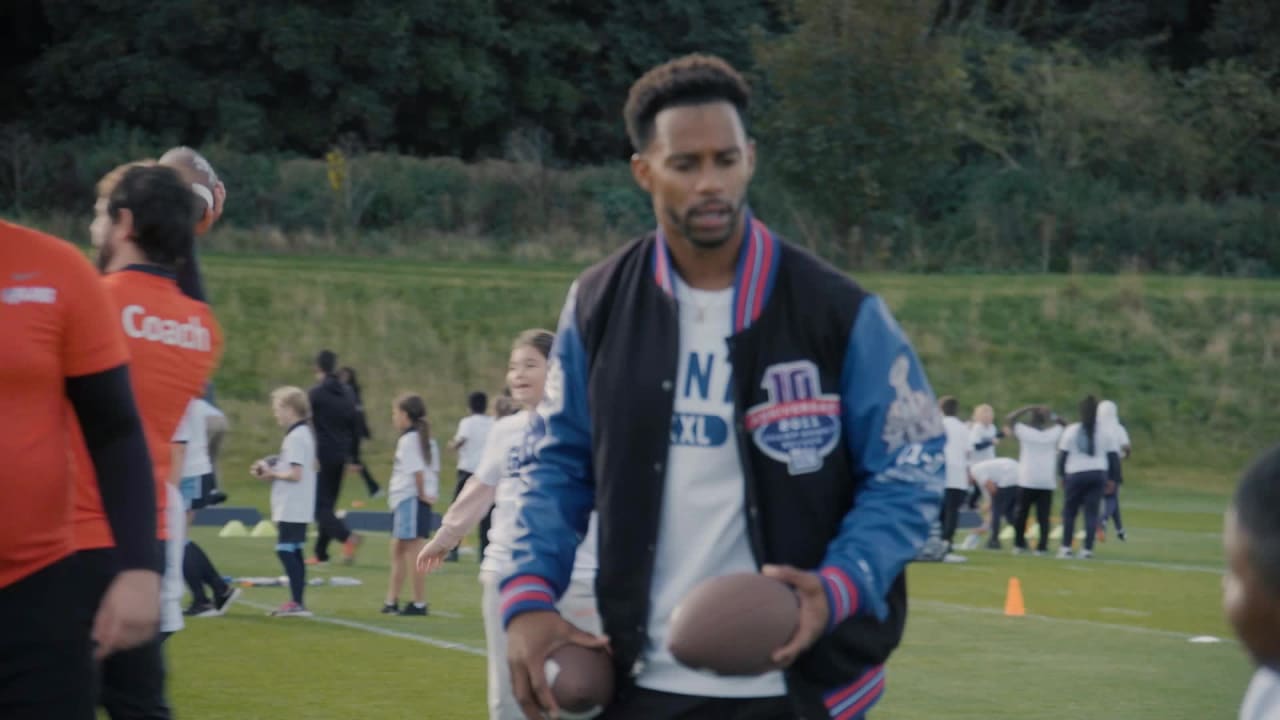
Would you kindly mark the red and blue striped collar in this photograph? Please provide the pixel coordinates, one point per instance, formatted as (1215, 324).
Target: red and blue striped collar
(753, 279)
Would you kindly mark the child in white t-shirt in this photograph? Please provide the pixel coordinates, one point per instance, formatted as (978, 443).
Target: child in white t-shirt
(1251, 587)
(469, 442)
(1037, 447)
(414, 488)
(1087, 456)
(292, 475)
(497, 484)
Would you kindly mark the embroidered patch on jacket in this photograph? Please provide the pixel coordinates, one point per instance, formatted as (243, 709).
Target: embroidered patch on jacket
(798, 425)
(914, 416)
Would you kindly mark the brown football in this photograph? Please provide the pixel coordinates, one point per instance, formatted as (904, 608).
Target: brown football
(581, 678)
(732, 624)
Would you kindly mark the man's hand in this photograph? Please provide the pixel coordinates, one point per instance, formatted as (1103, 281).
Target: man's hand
(814, 612)
(129, 614)
(531, 637)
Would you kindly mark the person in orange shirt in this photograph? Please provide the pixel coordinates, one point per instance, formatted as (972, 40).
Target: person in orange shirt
(63, 349)
(196, 567)
(142, 229)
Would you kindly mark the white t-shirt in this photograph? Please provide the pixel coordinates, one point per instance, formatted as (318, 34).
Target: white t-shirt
(702, 530)
(407, 463)
(1078, 460)
(475, 430)
(956, 452)
(979, 433)
(1262, 699)
(1002, 471)
(171, 584)
(296, 501)
(1119, 434)
(499, 468)
(1037, 456)
(193, 432)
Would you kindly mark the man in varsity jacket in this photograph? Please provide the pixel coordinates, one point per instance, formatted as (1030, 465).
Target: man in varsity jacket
(728, 403)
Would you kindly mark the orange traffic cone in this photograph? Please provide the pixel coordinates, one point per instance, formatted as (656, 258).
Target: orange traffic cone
(1013, 606)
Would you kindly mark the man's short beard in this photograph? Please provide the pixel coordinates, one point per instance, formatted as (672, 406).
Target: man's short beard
(686, 228)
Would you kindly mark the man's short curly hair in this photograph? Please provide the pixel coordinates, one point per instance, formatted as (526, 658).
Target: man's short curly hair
(689, 80)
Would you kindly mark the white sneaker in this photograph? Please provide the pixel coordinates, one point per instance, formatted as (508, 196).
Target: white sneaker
(1064, 553)
(1086, 554)
(971, 542)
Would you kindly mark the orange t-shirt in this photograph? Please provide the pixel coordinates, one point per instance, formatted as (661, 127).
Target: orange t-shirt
(174, 344)
(55, 322)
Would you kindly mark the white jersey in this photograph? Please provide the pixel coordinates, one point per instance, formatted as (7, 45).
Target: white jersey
(171, 584)
(1001, 471)
(984, 435)
(192, 431)
(296, 501)
(1037, 456)
(408, 463)
(702, 528)
(474, 429)
(1075, 444)
(1262, 699)
(956, 452)
(499, 468)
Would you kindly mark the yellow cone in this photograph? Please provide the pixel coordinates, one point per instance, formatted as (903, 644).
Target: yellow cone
(1056, 533)
(264, 528)
(1007, 533)
(235, 528)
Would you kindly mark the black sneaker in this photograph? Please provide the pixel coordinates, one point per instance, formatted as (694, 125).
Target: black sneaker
(224, 600)
(198, 609)
(413, 609)
(1120, 534)
(390, 609)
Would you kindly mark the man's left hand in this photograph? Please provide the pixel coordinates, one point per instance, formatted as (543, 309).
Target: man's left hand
(814, 612)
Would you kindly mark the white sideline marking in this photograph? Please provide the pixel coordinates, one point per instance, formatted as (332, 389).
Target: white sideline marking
(424, 639)
(1173, 567)
(1066, 621)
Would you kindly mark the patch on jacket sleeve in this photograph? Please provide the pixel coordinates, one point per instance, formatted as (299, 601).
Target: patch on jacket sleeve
(799, 424)
(913, 416)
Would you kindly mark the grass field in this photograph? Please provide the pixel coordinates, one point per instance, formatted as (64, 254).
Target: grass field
(1191, 361)
(1106, 638)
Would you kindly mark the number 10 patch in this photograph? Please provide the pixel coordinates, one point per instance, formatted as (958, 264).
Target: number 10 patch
(797, 425)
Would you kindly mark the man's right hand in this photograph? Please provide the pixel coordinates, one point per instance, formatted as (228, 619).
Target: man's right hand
(129, 615)
(531, 638)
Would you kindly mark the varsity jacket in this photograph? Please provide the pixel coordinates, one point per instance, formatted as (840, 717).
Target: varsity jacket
(840, 439)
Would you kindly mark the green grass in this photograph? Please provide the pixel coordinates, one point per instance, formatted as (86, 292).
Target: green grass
(1107, 638)
(1191, 361)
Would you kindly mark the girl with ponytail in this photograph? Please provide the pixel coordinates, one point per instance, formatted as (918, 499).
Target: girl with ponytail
(1087, 460)
(414, 488)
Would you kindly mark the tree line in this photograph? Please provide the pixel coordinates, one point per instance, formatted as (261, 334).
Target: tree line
(984, 134)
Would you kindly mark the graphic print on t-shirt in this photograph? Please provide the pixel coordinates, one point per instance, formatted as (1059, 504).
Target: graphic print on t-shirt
(700, 429)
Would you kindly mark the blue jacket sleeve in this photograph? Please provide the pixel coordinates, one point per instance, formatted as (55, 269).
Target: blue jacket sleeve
(559, 494)
(895, 436)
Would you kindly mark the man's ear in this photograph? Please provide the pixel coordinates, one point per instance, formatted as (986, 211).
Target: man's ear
(642, 171)
(122, 225)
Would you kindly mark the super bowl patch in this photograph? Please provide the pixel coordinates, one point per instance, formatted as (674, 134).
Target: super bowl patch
(798, 425)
